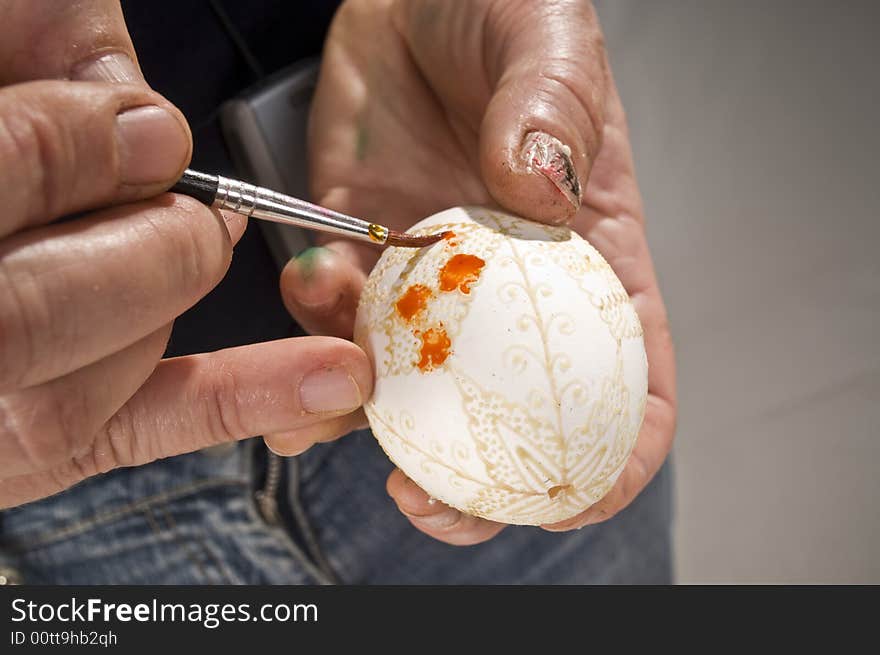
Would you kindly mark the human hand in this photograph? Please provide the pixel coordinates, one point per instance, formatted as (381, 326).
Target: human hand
(86, 305)
(425, 104)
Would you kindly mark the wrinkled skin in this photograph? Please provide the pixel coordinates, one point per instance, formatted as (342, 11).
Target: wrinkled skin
(426, 104)
(86, 306)
(421, 106)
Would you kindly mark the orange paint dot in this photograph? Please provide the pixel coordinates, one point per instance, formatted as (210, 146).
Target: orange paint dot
(413, 301)
(435, 348)
(449, 235)
(460, 272)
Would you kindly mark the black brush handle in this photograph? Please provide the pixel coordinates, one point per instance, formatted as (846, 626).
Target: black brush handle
(201, 186)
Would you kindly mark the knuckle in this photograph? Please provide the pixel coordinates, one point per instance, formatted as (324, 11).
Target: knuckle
(119, 443)
(82, 466)
(222, 402)
(62, 421)
(200, 249)
(36, 146)
(31, 339)
(71, 471)
(16, 435)
(586, 95)
(16, 333)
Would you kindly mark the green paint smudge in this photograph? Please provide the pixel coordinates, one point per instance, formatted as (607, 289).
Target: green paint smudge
(362, 142)
(307, 261)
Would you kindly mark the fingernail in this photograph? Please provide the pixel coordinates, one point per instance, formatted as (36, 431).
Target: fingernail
(445, 519)
(236, 224)
(151, 144)
(111, 67)
(316, 291)
(329, 391)
(273, 451)
(547, 155)
(307, 261)
(289, 452)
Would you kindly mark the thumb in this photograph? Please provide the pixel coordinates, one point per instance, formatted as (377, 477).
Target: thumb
(542, 128)
(83, 40)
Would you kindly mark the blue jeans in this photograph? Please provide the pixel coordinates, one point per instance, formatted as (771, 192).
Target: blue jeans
(211, 517)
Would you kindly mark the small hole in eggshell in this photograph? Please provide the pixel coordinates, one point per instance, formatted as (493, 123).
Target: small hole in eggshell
(553, 492)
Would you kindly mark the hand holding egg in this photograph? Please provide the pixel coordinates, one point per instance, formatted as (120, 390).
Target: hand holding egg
(403, 129)
(510, 370)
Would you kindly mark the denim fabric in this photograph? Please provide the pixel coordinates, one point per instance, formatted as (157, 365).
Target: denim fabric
(193, 520)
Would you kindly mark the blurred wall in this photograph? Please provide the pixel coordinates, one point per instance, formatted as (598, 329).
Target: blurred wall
(755, 133)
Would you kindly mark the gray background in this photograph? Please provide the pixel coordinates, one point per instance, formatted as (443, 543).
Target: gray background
(755, 132)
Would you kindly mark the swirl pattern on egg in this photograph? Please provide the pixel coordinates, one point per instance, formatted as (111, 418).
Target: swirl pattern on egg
(511, 376)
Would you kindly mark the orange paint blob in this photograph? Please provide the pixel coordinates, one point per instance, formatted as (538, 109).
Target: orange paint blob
(435, 348)
(449, 235)
(460, 272)
(413, 301)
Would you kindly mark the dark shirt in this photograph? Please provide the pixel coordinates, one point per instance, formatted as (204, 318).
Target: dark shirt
(187, 55)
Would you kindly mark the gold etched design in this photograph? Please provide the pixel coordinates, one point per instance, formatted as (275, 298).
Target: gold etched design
(524, 463)
(606, 294)
(397, 433)
(533, 479)
(521, 455)
(529, 452)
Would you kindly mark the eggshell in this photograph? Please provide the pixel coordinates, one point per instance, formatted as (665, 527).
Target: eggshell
(511, 376)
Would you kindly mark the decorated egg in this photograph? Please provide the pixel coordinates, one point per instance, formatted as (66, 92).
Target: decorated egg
(511, 376)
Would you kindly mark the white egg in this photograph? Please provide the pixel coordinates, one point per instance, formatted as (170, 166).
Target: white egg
(511, 376)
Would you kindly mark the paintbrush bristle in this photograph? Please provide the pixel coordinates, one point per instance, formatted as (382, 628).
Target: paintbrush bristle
(404, 240)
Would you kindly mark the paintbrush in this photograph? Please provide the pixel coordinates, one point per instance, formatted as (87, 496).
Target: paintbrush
(258, 202)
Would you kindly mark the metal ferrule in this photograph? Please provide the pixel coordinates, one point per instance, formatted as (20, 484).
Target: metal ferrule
(259, 202)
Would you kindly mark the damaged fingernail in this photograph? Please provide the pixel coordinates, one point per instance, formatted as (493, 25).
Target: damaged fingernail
(439, 521)
(547, 155)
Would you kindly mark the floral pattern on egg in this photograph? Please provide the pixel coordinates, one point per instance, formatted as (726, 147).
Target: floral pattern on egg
(511, 377)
